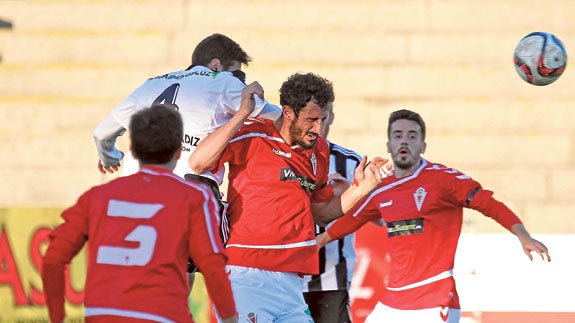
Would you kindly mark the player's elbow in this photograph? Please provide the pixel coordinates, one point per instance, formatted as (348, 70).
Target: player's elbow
(197, 165)
(98, 134)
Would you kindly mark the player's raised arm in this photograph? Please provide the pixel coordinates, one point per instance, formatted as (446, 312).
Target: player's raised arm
(210, 149)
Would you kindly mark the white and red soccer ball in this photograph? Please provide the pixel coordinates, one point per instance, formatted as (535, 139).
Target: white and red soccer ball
(540, 58)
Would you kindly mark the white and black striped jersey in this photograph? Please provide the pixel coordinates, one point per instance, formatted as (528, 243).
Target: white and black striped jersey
(337, 258)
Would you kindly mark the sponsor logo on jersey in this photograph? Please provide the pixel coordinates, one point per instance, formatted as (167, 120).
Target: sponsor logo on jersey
(252, 318)
(419, 197)
(190, 140)
(404, 227)
(287, 174)
(281, 153)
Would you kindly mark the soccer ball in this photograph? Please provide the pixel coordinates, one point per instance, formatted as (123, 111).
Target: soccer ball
(540, 58)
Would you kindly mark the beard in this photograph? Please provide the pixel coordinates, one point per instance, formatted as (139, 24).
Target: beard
(404, 162)
(297, 137)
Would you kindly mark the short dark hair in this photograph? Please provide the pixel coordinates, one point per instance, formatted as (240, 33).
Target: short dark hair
(156, 134)
(299, 89)
(407, 115)
(220, 47)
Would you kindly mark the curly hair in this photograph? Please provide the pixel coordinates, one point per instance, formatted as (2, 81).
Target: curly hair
(299, 89)
(220, 47)
(156, 134)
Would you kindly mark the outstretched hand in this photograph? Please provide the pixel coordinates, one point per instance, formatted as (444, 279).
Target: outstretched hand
(529, 244)
(369, 174)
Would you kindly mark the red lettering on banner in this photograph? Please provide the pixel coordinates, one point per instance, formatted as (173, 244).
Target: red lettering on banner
(9, 270)
(10, 274)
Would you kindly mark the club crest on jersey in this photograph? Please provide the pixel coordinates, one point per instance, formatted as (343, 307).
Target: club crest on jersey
(419, 197)
(252, 318)
(313, 161)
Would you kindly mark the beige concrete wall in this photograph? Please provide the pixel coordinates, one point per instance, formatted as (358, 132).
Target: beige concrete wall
(65, 64)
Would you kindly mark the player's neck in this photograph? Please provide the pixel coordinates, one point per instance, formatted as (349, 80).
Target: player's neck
(283, 129)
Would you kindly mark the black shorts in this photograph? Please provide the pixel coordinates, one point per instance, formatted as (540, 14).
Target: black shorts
(328, 306)
(224, 229)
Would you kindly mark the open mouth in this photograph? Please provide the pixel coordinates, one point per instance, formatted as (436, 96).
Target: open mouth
(311, 136)
(403, 152)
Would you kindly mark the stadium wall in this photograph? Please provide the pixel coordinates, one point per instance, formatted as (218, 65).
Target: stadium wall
(65, 64)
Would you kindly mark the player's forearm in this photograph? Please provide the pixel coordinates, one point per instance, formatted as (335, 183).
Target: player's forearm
(108, 153)
(324, 213)
(209, 150)
(53, 280)
(344, 226)
(484, 202)
(105, 135)
(520, 232)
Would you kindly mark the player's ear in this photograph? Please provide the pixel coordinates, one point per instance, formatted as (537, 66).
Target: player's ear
(215, 65)
(330, 118)
(423, 146)
(288, 112)
(388, 149)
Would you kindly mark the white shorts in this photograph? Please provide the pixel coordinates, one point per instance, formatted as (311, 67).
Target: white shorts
(268, 296)
(382, 313)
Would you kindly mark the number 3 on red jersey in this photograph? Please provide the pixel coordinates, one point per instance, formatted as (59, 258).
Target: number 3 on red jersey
(144, 234)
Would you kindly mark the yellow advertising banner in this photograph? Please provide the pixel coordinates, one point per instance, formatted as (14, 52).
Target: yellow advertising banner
(24, 237)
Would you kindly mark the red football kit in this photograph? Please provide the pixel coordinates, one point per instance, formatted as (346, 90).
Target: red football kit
(141, 230)
(423, 213)
(271, 187)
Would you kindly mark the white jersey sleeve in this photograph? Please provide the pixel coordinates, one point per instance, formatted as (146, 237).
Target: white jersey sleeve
(105, 135)
(204, 98)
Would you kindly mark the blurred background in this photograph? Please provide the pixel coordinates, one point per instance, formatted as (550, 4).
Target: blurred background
(65, 64)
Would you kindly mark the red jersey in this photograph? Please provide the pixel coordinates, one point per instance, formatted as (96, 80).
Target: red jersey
(141, 230)
(270, 191)
(423, 213)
